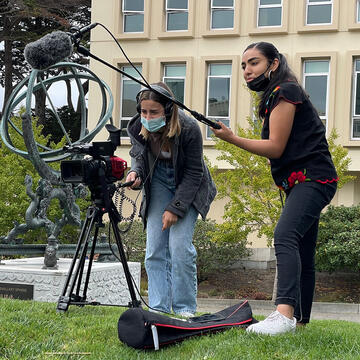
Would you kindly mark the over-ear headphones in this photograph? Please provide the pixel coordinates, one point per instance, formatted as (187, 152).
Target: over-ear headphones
(168, 105)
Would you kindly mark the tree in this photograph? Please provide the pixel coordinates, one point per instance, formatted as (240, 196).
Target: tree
(69, 118)
(23, 21)
(254, 203)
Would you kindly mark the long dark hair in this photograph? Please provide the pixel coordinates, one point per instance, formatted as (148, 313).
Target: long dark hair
(281, 74)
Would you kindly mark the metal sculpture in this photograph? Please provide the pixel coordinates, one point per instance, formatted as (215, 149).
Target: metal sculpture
(50, 185)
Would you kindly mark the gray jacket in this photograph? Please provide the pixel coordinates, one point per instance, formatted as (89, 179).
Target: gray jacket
(194, 185)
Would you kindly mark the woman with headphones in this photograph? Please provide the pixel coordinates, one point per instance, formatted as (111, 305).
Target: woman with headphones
(293, 138)
(168, 163)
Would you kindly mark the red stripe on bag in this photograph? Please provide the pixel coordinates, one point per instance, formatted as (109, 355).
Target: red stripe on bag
(202, 327)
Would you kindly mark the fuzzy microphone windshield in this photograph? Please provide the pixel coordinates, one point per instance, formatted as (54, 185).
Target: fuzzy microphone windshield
(48, 50)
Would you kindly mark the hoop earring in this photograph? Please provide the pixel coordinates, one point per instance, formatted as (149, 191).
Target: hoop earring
(269, 76)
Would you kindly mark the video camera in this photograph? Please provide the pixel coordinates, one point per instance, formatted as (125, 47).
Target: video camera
(101, 159)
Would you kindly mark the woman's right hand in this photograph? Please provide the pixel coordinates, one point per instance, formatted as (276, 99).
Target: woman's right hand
(132, 176)
(224, 133)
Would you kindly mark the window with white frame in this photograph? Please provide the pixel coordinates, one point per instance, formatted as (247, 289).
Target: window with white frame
(319, 12)
(356, 100)
(133, 16)
(177, 14)
(174, 77)
(358, 11)
(269, 13)
(222, 14)
(218, 93)
(316, 84)
(128, 92)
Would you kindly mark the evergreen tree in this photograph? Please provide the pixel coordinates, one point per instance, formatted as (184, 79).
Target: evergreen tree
(24, 21)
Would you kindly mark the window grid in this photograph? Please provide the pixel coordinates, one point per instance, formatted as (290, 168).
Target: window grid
(224, 119)
(177, 82)
(355, 126)
(128, 91)
(172, 12)
(358, 11)
(325, 74)
(316, 4)
(225, 8)
(266, 8)
(131, 14)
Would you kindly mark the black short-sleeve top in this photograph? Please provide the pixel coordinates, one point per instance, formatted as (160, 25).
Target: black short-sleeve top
(306, 156)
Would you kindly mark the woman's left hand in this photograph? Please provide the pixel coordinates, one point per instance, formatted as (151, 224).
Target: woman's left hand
(168, 219)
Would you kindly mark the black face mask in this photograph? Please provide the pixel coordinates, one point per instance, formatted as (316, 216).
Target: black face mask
(260, 83)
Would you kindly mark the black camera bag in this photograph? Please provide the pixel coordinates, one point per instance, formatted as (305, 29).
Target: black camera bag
(142, 329)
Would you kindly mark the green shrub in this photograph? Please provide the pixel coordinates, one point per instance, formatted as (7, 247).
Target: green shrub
(338, 246)
(134, 241)
(214, 255)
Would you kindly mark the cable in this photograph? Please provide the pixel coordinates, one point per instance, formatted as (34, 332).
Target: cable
(120, 197)
(126, 57)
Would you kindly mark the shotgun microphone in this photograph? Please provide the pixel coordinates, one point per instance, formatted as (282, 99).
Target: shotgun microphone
(54, 47)
(48, 50)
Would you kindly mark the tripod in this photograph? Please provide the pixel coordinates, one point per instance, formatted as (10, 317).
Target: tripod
(102, 204)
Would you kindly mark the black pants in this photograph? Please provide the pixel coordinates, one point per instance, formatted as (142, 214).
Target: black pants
(295, 240)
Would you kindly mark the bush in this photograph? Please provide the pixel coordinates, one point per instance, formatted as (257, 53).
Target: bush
(214, 255)
(338, 246)
(134, 241)
(211, 256)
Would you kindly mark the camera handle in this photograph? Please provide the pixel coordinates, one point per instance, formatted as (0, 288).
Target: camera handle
(76, 271)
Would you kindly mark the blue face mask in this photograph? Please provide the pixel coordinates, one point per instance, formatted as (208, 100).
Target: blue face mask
(154, 124)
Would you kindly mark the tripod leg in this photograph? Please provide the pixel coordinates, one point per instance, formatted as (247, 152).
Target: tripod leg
(77, 278)
(113, 220)
(91, 257)
(79, 273)
(65, 298)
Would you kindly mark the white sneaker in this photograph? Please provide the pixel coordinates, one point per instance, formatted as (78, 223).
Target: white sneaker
(274, 324)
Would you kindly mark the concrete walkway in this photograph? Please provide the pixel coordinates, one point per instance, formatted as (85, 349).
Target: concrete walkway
(320, 310)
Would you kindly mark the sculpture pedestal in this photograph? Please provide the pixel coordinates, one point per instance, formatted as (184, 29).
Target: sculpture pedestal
(26, 279)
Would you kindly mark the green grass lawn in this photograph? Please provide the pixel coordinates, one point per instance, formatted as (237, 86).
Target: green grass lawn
(33, 330)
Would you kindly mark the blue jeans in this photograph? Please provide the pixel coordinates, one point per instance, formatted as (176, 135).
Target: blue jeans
(295, 241)
(170, 259)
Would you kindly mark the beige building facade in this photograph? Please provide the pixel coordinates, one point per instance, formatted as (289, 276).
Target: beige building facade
(195, 46)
